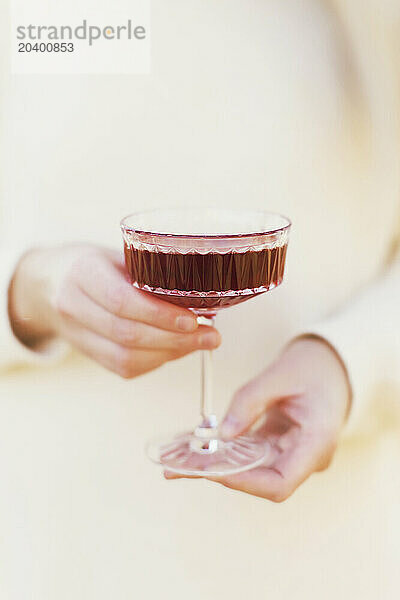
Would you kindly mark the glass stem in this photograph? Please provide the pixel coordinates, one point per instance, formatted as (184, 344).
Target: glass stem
(209, 420)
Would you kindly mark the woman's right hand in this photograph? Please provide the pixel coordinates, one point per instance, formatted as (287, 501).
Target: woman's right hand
(81, 294)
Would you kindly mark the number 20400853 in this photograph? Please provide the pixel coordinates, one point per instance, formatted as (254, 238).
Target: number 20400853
(46, 47)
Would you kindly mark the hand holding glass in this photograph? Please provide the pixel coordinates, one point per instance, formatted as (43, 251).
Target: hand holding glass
(206, 260)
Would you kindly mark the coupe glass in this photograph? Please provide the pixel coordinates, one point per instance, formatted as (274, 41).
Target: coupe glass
(206, 259)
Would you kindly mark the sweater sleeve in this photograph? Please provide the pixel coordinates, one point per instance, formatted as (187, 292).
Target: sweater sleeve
(12, 351)
(16, 236)
(366, 331)
(366, 335)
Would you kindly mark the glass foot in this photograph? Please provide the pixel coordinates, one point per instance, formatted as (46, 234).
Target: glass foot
(188, 454)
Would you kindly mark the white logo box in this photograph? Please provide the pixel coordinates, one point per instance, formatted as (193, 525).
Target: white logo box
(80, 36)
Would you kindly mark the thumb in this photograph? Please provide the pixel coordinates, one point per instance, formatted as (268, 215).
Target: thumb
(251, 401)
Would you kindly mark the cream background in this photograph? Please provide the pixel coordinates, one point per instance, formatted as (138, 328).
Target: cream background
(287, 106)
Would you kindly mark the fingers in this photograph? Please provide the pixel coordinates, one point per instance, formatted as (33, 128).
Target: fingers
(296, 455)
(126, 362)
(292, 467)
(102, 280)
(78, 306)
(251, 401)
(123, 361)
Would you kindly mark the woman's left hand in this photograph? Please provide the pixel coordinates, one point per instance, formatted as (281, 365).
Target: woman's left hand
(304, 396)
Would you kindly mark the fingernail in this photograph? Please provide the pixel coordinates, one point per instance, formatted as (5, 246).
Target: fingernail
(186, 323)
(229, 427)
(209, 340)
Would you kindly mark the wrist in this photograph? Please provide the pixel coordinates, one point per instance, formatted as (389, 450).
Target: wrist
(324, 358)
(29, 313)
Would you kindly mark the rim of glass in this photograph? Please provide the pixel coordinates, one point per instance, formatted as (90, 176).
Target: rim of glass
(132, 229)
